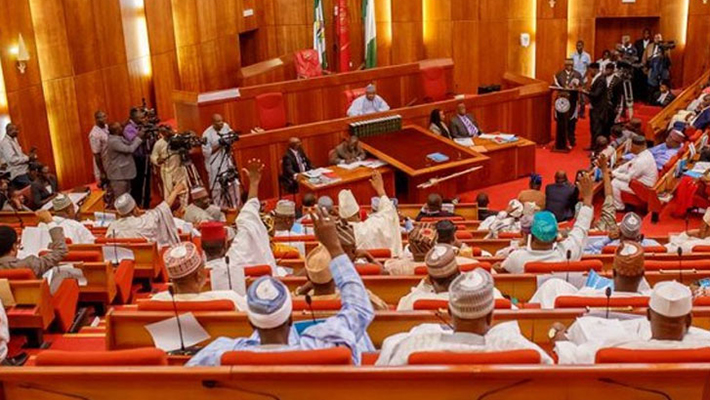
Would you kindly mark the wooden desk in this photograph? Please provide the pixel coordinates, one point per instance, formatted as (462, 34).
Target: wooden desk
(357, 180)
(147, 262)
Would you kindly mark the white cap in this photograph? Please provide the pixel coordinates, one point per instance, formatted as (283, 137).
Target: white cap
(124, 204)
(347, 204)
(516, 208)
(671, 299)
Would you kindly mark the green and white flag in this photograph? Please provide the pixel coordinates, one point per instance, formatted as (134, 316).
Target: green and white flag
(319, 32)
(368, 14)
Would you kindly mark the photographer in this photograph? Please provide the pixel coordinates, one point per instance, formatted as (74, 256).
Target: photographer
(169, 161)
(217, 151)
(120, 166)
(657, 62)
(140, 185)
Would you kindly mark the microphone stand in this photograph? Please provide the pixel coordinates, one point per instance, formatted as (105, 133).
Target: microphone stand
(229, 273)
(608, 300)
(309, 301)
(680, 264)
(182, 350)
(569, 256)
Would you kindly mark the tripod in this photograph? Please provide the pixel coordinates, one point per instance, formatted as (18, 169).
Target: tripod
(227, 179)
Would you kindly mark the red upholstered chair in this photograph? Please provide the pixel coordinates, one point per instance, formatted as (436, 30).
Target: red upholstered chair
(331, 356)
(701, 249)
(80, 256)
(464, 235)
(368, 269)
(582, 301)
(456, 358)
(286, 253)
(369, 358)
(19, 274)
(105, 240)
(134, 357)
(643, 197)
(257, 271)
(437, 219)
(307, 64)
(64, 302)
(510, 235)
(646, 249)
(421, 270)
(186, 306)
(434, 84)
(294, 238)
(575, 266)
(701, 301)
(350, 96)
(317, 305)
(380, 253)
(653, 356)
(271, 110)
(439, 304)
(123, 276)
(701, 265)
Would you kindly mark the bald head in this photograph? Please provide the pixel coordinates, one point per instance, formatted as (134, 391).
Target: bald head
(561, 177)
(115, 129)
(217, 122)
(294, 143)
(433, 202)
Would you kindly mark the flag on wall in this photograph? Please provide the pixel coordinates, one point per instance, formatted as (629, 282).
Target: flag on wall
(342, 36)
(368, 14)
(319, 32)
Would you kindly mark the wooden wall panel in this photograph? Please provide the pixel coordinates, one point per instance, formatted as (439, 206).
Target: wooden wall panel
(608, 32)
(16, 19)
(466, 61)
(697, 54)
(28, 110)
(551, 39)
(52, 42)
(641, 8)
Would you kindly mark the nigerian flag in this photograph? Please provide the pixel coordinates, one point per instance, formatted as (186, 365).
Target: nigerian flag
(368, 14)
(319, 32)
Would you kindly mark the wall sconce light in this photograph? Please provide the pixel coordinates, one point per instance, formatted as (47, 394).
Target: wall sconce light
(552, 3)
(22, 55)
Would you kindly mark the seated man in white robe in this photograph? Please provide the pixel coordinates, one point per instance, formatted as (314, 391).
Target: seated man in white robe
(251, 246)
(215, 242)
(667, 326)
(688, 240)
(201, 209)
(504, 221)
(156, 225)
(471, 305)
(421, 239)
(285, 225)
(628, 280)
(269, 307)
(186, 270)
(517, 244)
(629, 230)
(65, 216)
(369, 103)
(642, 168)
(380, 230)
(543, 245)
(346, 234)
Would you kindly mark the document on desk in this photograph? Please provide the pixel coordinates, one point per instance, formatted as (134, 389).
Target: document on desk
(116, 254)
(166, 335)
(468, 142)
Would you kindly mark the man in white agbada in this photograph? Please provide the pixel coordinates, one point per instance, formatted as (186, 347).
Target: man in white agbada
(186, 269)
(421, 239)
(201, 209)
(251, 244)
(471, 305)
(642, 168)
(380, 230)
(628, 280)
(628, 230)
(285, 224)
(65, 216)
(543, 245)
(690, 239)
(218, 160)
(172, 170)
(156, 225)
(667, 326)
(442, 270)
(504, 221)
(369, 103)
(215, 242)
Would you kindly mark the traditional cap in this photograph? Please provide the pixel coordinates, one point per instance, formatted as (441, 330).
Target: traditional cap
(535, 179)
(544, 226)
(471, 295)
(370, 88)
(124, 204)
(181, 260)
(516, 208)
(441, 261)
(638, 139)
(628, 260)
(375, 203)
(268, 303)
(526, 223)
(630, 226)
(677, 135)
(346, 233)
(61, 202)
(594, 65)
(671, 299)
(198, 192)
(213, 231)
(326, 202)
(318, 265)
(347, 204)
(421, 239)
(285, 208)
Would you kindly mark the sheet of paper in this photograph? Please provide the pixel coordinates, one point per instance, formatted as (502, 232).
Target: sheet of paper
(468, 142)
(374, 164)
(576, 279)
(479, 149)
(166, 335)
(117, 253)
(350, 166)
(34, 239)
(56, 275)
(6, 296)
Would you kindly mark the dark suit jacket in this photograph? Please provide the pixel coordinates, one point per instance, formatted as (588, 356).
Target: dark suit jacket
(597, 94)
(289, 168)
(440, 214)
(639, 47)
(458, 128)
(484, 213)
(667, 101)
(560, 200)
(615, 92)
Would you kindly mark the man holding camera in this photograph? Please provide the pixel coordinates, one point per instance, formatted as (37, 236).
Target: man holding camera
(217, 151)
(140, 186)
(657, 62)
(17, 161)
(120, 166)
(172, 171)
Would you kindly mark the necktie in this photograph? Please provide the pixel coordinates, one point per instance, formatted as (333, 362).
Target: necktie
(470, 127)
(299, 161)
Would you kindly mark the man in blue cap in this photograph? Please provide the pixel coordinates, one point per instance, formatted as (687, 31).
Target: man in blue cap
(269, 308)
(543, 244)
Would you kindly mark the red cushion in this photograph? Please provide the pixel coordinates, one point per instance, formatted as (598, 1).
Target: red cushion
(437, 219)
(294, 238)
(674, 356)
(701, 249)
(104, 240)
(701, 301)
(331, 356)
(271, 110)
(64, 302)
(574, 266)
(185, 306)
(317, 305)
(380, 253)
(646, 249)
(80, 255)
(18, 274)
(124, 280)
(433, 83)
(464, 235)
(651, 265)
(369, 358)
(510, 235)
(350, 96)
(421, 270)
(582, 301)
(368, 269)
(133, 357)
(455, 358)
(439, 304)
(257, 271)
(307, 64)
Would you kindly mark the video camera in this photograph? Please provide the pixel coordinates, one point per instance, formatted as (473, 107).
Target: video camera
(151, 126)
(227, 177)
(184, 141)
(669, 45)
(228, 139)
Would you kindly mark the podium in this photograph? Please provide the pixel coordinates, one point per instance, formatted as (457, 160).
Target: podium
(565, 116)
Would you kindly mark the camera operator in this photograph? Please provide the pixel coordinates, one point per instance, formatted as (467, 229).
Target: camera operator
(120, 166)
(140, 185)
(172, 170)
(657, 62)
(217, 151)
(17, 162)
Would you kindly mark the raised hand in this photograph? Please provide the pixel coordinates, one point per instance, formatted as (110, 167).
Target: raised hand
(325, 230)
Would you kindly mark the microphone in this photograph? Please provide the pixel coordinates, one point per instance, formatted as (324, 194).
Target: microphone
(229, 273)
(608, 299)
(680, 264)
(441, 318)
(569, 256)
(171, 290)
(309, 301)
